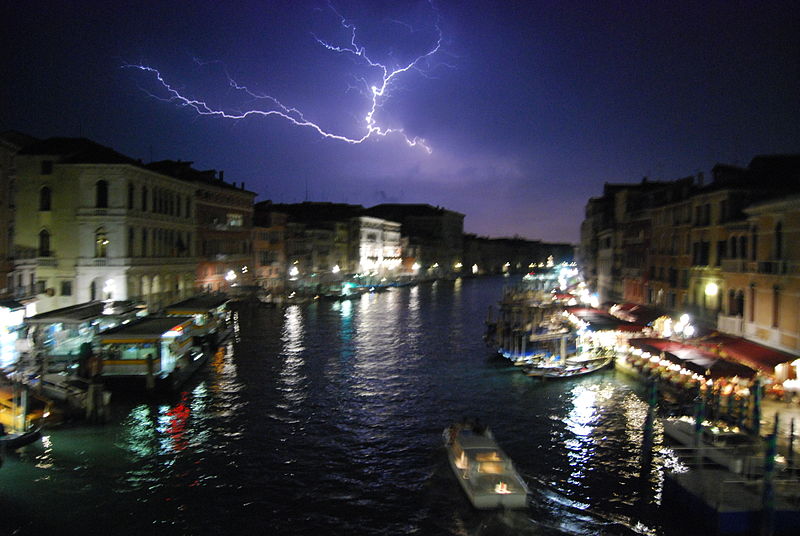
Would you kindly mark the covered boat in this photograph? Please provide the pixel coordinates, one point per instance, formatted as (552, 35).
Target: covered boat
(484, 471)
(568, 369)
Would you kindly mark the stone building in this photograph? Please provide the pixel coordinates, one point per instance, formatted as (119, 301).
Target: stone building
(11, 142)
(224, 219)
(93, 224)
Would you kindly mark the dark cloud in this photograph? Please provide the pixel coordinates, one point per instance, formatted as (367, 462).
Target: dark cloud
(529, 107)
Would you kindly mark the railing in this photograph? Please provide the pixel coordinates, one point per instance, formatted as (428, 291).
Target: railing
(47, 261)
(773, 267)
(735, 265)
(733, 325)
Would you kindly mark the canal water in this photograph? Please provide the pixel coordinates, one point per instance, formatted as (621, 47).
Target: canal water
(327, 419)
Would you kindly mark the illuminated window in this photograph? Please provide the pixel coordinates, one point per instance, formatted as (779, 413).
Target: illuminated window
(100, 243)
(235, 220)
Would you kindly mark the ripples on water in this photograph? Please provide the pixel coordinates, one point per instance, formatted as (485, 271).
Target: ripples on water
(327, 419)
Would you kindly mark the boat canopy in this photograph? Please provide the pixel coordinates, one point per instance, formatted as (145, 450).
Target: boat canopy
(197, 305)
(148, 329)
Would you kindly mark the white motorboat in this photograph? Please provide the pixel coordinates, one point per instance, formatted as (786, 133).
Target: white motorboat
(484, 471)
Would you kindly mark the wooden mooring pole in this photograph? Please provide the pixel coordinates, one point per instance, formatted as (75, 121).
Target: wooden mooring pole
(768, 498)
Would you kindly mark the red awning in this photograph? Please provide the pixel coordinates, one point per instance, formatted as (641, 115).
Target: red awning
(752, 354)
(693, 358)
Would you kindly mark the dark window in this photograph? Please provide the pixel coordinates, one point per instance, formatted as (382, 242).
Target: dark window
(130, 196)
(131, 236)
(721, 251)
(47, 167)
(101, 189)
(41, 286)
(144, 198)
(66, 288)
(776, 306)
(778, 241)
(44, 199)
(44, 243)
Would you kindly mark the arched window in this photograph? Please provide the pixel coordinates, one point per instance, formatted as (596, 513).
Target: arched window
(100, 243)
(743, 247)
(779, 241)
(101, 191)
(733, 248)
(44, 243)
(732, 302)
(44, 199)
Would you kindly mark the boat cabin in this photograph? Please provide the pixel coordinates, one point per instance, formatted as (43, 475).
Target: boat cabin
(154, 345)
(479, 454)
(210, 313)
(59, 334)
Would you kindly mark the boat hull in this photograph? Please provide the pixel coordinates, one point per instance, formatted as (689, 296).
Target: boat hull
(566, 372)
(486, 489)
(16, 441)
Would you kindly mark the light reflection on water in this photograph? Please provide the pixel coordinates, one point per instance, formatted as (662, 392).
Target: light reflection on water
(327, 418)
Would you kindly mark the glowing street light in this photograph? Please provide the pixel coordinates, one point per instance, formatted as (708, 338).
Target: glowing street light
(230, 276)
(712, 289)
(335, 269)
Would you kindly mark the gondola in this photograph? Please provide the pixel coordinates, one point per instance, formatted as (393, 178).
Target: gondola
(14, 441)
(567, 370)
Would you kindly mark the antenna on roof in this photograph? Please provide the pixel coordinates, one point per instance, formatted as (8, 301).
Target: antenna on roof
(306, 197)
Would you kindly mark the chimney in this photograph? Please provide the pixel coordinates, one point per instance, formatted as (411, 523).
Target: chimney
(222, 174)
(700, 178)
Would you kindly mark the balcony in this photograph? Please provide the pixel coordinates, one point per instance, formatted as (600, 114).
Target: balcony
(47, 261)
(773, 267)
(101, 212)
(733, 325)
(738, 266)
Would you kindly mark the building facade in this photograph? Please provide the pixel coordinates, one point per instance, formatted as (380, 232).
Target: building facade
(92, 224)
(224, 219)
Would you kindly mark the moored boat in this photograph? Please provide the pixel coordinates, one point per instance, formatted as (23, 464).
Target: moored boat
(723, 445)
(483, 470)
(18, 440)
(568, 369)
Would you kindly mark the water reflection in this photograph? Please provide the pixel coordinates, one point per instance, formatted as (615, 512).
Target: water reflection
(292, 379)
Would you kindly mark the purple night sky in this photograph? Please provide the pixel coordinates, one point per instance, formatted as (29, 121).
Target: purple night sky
(527, 107)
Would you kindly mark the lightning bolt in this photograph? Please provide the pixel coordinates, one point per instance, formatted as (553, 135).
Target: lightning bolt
(377, 94)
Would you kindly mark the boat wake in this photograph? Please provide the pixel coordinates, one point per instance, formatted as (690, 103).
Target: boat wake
(553, 510)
